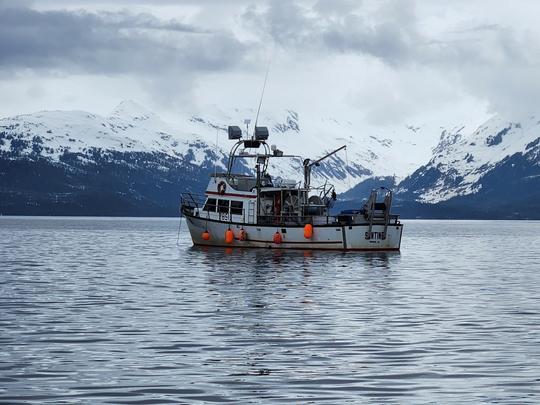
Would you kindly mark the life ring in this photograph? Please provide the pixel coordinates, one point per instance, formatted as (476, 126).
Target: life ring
(221, 187)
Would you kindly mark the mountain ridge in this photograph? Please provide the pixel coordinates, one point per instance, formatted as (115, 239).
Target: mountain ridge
(135, 148)
(460, 163)
(131, 127)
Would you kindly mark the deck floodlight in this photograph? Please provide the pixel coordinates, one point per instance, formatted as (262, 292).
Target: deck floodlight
(234, 132)
(261, 133)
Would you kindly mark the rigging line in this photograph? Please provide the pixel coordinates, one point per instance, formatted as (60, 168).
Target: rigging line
(262, 94)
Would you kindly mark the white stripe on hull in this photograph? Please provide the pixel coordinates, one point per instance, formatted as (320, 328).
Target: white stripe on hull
(324, 237)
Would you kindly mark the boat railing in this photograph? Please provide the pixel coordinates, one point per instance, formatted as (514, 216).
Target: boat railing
(191, 201)
(338, 220)
(284, 220)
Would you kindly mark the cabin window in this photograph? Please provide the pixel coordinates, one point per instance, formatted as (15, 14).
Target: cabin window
(236, 207)
(210, 205)
(223, 206)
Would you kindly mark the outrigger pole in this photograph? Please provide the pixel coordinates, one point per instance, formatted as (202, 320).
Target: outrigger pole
(308, 164)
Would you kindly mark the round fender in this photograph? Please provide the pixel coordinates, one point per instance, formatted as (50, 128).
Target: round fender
(308, 231)
(229, 236)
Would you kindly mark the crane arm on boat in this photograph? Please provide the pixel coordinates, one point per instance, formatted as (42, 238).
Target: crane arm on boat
(308, 164)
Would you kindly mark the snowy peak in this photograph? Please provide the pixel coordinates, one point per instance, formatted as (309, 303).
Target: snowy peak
(129, 115)
(461, 163)
(129, 110)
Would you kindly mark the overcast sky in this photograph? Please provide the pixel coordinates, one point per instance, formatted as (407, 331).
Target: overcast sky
(384, 62)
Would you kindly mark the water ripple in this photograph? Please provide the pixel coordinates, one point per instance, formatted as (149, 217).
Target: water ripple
(113, 311)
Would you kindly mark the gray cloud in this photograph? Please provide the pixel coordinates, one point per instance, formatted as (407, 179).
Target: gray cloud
(4, 4)
(385, 58)
(338, 27)
(491, 61)
(110, 43)
(83, 3)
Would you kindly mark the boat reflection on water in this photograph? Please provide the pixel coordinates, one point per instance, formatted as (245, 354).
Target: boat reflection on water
(242, 259)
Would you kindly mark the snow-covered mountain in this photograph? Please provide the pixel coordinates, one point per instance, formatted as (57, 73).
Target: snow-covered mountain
(494, 169)
(133, 129)
(129, 128)
(78, 162)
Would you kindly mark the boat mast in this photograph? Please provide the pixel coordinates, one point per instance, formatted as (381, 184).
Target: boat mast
(308, 164)
(262, 94)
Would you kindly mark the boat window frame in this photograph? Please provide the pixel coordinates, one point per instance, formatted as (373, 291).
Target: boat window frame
(207, 205)
(222, 209)
(238, 210)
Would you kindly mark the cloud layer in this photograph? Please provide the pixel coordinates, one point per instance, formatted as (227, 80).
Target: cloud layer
(109, 43)
(389, 60)
(494, 62)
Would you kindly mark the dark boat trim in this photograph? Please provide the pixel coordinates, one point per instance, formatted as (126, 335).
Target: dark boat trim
(280, 247)
(252, 196)
(335, 225)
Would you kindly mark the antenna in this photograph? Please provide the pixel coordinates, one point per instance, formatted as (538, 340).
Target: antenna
(216, 152)
(262, 93)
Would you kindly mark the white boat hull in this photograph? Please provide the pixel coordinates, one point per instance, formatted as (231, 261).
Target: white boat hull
(326, 237)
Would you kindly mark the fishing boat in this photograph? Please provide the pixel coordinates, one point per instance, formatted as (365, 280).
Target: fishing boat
(259, 211)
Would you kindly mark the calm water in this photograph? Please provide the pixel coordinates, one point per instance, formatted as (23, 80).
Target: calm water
(114, 311)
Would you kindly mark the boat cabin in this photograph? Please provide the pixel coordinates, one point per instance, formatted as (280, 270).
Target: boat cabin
(260, 199)
(237, 198)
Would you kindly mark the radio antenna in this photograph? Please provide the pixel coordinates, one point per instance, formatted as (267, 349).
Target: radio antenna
(262, 95)
(216, 151)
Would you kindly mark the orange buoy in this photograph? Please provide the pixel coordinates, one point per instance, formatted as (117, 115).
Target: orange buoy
(229, 236)
(206, 235)
(278, 238)
(308, 231)
(242, 235)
